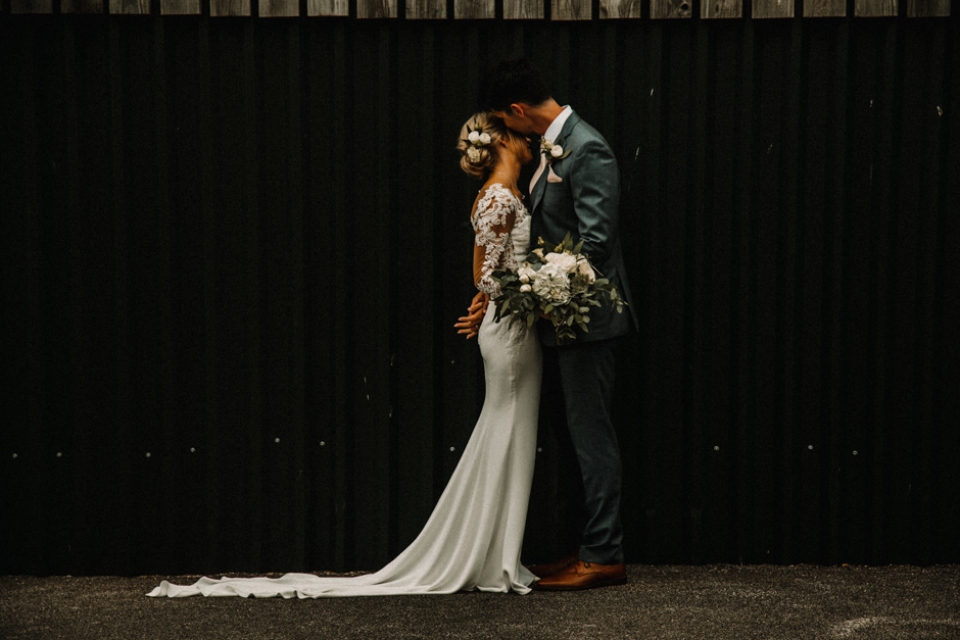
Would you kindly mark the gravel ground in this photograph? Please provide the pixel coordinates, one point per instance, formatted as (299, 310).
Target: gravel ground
(661, 602)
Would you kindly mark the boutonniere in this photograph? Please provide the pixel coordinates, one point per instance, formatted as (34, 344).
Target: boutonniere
(554, 151)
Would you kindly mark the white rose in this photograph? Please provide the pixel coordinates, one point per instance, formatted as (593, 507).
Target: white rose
(474, 136)
(485, 138)
(585, 269)
(556, 151)
(525, 288)
(526, 272)
(552, 284)
(565, 261)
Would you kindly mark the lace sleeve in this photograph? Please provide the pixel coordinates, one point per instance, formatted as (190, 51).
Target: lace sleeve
(492, 222)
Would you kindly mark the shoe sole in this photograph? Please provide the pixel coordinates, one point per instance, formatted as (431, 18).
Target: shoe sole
(595, 585)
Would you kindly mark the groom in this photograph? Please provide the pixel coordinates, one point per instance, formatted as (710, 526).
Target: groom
(577, 192)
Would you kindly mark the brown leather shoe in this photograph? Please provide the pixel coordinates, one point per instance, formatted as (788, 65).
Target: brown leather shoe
(584, 575)
(547, 569)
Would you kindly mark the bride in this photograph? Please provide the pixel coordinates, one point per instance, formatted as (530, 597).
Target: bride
(474, 535)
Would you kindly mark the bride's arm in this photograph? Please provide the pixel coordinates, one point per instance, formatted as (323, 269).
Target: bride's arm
(492, 221)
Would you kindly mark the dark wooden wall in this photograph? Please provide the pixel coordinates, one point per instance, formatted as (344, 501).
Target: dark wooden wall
(233, 251)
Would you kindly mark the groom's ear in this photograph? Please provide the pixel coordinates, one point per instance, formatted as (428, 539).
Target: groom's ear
(518, 109)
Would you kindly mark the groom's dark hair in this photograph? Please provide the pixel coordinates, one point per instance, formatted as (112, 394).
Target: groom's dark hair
(512, 82)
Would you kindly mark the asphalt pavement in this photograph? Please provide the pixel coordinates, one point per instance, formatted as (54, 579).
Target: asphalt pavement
(660, 602)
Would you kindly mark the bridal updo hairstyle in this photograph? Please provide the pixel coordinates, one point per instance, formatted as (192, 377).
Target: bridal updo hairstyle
(485, 156)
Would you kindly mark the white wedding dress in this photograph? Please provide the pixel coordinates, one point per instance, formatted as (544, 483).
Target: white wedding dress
(474, 535)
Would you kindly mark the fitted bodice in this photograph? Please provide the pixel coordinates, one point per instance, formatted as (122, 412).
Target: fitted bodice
(502, 225)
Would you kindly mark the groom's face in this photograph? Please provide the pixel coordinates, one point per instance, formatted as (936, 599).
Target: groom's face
(516, 118)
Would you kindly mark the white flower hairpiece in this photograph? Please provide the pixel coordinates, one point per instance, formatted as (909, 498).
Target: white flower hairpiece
(477, 140)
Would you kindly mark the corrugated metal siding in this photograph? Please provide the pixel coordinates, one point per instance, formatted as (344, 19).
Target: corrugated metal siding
(233, 252)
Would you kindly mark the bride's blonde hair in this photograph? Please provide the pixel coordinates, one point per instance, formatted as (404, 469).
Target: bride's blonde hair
(485, 156)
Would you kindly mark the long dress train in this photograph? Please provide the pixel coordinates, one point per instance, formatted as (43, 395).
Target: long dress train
(473, 538)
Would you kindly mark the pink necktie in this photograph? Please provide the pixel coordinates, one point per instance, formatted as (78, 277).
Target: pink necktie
(543, 165)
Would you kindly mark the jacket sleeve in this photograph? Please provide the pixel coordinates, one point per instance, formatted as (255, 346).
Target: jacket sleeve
(595, 188)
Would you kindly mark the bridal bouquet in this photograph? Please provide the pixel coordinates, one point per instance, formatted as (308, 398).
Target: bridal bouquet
(560, 283)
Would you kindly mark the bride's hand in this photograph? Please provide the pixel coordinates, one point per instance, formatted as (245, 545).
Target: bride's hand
(470, 323)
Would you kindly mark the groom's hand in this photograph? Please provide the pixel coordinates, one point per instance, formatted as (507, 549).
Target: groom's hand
(470, 323)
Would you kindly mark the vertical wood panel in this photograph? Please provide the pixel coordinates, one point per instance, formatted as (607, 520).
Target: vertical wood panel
(207, 200)
(79, 270)
(178, 54)
(697, 294)
(649, 194)
(249, 403)
(328, 248)
(118, 296)
(721, 9)
(426, 9)
(523, 9)
(280, 190)
(862, 434)
(928, 8)
(134, 7)
(376, 8)
(674, 276)
(875, 8)
(179, 7)
(22, 278)
(373, 335)
(279, 8)
(660, 9)
(328, 7)
(914, 285)
(226, 8)
(417, 406)
(620, 9)
(473, 9)
(802, 311)
(772, 8)
(948, 364)
(824, 172)
(570, 9)
(746, 276)
(81, 6)
(719, 496)
(162, 450)
(824, 8)
(31, 6)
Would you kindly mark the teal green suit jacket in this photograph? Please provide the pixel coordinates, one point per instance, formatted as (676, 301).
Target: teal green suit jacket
(585, 204)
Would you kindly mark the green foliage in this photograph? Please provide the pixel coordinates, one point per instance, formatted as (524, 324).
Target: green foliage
(566, 317)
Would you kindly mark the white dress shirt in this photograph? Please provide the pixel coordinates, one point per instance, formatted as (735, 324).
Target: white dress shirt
(551, 134)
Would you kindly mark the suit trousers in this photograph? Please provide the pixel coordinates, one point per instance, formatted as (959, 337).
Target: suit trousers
(586, 376)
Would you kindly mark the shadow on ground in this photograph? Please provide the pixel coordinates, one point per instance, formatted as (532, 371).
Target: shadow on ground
(661, 602)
